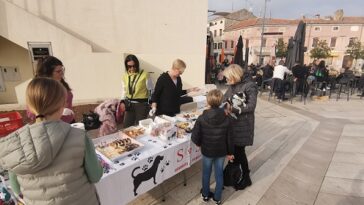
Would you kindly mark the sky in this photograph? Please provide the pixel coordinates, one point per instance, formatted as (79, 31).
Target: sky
(291, 9)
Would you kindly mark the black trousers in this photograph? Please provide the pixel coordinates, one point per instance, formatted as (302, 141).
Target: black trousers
(138, 111)
(240, 157)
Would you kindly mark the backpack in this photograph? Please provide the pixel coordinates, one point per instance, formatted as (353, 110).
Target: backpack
(91, 120)
(232, 174)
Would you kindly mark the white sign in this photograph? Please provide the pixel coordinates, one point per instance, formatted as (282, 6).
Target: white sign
(139, 172)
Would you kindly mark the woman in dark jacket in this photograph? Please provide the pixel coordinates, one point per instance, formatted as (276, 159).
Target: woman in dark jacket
(242, 97)
(168, 91)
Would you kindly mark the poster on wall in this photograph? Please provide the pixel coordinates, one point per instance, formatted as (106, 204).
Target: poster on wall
(2, 83)
(39, 50)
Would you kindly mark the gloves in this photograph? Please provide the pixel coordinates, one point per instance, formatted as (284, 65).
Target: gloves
(67, 111)
(152, 112)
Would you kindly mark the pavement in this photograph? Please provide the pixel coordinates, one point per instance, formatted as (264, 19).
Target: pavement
(302, 154)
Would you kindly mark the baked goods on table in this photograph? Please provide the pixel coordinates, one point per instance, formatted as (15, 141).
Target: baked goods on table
(116, 146)
(187, 126)
(188, 116)
(134, 132)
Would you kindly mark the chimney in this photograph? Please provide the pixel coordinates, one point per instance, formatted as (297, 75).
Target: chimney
(317, 16)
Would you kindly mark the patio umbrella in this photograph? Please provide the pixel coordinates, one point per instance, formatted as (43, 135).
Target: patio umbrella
(299, 42)
(209, 64)
(246, 55)
(222, 55)
(296, 53)
(289, 57)
(238, 58)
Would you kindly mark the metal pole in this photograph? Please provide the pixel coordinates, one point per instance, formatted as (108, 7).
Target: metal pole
(262, 35)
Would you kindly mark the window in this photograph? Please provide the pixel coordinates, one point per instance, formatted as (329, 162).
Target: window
(211, 23)
(215, 45)
(225, 44)
(317, 28)
(220, 46)
(232, 44)
(264, 42)
(221, 22)
(214, 33)
(220, 32)
(352, 40)
(215, 23)
(333, 42)
(314, 42)
(335, 28)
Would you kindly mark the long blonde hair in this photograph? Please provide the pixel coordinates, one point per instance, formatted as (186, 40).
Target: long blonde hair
(45, 96)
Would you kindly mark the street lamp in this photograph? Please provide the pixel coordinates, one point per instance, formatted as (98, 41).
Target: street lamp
(262, 34)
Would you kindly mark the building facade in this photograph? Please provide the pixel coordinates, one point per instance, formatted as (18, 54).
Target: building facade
(218, 26)
(337, 32)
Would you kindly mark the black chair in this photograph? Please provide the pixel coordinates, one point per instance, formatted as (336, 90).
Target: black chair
(345, 85)
(299, 87)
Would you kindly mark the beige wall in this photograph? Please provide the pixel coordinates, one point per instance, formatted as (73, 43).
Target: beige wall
(91, 38)
(14, 55)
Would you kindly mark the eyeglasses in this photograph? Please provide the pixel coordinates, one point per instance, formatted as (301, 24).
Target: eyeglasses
(62, 70)
(131, 66)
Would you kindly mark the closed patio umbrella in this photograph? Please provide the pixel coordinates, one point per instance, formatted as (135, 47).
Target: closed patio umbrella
(296, 51)
(222, 55)
(238, 58)
(290, 55)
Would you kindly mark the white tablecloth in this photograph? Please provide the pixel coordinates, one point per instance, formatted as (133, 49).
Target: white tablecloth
(157, 158)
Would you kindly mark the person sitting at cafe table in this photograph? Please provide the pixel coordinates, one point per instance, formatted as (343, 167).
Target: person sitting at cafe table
(166, 98)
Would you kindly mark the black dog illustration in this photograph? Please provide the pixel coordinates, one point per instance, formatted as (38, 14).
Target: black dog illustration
(148, 174)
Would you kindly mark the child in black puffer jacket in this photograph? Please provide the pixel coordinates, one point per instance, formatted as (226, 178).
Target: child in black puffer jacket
(211, 132)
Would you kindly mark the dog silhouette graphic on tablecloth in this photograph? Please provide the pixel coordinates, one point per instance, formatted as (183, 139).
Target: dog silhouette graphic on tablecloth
(148, 174)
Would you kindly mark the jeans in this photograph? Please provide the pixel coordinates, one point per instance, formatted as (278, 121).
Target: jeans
(207, 163)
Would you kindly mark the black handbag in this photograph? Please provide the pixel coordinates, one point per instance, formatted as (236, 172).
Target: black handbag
(91, 120)
(127, 104)
(131, 86)
(232, 174)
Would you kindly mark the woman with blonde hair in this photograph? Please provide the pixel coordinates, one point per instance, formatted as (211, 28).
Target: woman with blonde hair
(50, 162)
(166, 98)
(241, 96)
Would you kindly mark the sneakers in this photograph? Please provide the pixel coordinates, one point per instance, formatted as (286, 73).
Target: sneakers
(217, 202)
(206, 198)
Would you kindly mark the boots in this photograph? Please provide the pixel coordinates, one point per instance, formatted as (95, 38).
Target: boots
(245, 182)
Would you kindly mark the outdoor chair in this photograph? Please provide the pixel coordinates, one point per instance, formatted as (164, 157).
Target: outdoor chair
(342, 87)
(265, 86)
(303, 88)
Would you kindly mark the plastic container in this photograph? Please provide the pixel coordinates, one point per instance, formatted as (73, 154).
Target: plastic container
(9, 122)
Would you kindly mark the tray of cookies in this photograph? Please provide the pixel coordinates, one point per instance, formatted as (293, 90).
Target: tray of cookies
(135, 131)
(116, 146)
